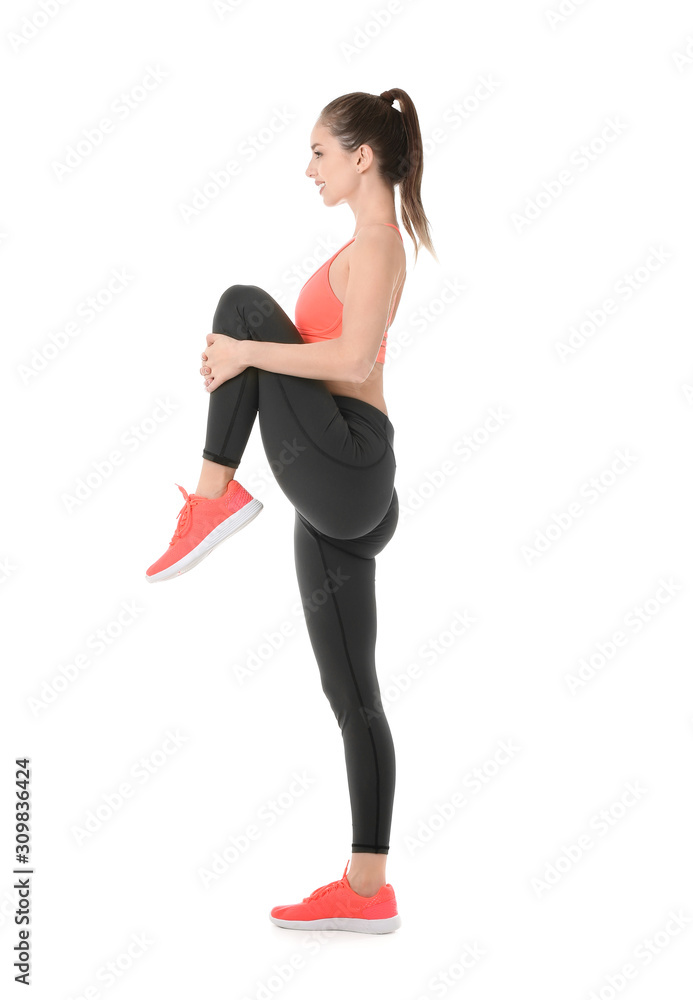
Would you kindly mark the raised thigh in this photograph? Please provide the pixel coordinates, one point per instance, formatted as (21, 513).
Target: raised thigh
(340, 486)
(337, 469)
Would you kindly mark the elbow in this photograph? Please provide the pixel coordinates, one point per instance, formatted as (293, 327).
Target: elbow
(360, 371)
(354, 370)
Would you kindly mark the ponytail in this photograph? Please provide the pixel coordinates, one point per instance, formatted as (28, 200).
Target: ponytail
(395, 138)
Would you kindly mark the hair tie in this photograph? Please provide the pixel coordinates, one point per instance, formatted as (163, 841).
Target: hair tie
(388, 96)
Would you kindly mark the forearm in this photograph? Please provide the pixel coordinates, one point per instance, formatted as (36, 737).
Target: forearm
(323, 359)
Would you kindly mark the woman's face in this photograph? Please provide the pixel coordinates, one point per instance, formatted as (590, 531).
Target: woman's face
(331, 167)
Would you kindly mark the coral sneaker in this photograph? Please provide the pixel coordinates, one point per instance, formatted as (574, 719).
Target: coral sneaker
(203, 522)
(336, 906)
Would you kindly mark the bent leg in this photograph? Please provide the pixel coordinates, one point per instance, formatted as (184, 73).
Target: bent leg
(247, 312)
(330, 454)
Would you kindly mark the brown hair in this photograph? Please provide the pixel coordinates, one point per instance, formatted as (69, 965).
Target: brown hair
(395, 137)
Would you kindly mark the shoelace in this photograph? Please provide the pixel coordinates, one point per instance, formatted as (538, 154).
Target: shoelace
(324, 889)
(184, 514)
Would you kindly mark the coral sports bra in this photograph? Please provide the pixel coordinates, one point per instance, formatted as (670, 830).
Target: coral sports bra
(318, 310)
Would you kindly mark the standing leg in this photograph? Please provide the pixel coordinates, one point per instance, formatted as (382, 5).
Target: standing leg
(337, 585)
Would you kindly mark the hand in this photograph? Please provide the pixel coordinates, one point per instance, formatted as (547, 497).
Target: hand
(221, 359)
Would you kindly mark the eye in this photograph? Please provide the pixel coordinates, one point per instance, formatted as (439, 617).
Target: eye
(317, 153)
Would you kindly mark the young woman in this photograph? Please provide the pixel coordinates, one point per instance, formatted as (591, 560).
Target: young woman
(318, 388)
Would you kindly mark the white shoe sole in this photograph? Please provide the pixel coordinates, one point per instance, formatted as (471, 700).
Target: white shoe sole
(383, 926)
(222, 531)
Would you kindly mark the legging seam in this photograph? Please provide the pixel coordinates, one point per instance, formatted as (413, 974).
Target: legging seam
(322, 450)
(358, 692)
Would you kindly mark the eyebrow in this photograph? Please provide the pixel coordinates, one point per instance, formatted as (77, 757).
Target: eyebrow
(316, 144)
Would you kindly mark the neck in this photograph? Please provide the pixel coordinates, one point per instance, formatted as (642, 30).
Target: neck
(377, 206)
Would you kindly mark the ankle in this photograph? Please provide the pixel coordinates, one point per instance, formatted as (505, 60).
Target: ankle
(211, 491)
(364, 888)
(214, 479)
(211, 494)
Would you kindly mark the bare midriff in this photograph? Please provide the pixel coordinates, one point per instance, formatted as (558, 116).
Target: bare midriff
(371, 390)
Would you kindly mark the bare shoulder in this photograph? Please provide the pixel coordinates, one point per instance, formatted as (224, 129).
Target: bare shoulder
(378, 269)
(378, 243)
(378, 234)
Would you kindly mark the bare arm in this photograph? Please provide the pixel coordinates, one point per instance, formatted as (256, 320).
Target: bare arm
(325, 359)
(373, 274)
(375, 268)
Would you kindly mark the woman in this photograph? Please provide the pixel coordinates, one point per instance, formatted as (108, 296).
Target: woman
(318, 388)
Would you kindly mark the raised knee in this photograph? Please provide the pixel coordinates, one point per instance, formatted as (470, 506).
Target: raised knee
(244, 291)
(246, 307)
(234, 294)
(247, 297)
(230, 310)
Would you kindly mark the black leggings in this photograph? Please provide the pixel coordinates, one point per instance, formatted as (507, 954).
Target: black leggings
(333, 457)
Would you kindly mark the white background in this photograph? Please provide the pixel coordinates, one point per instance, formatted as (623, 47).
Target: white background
(492, 876)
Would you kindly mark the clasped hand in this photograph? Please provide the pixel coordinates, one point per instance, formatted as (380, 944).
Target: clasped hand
(222, 360)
